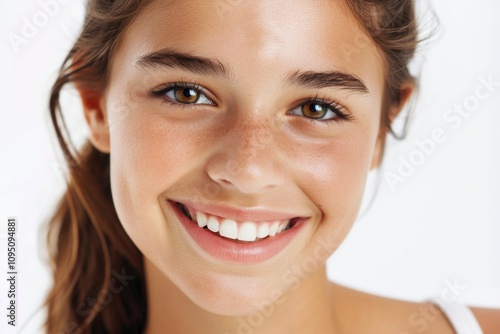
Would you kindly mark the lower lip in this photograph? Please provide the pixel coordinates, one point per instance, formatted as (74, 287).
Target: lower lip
(235, 251)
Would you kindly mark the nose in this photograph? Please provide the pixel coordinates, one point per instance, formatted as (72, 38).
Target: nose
(247, 158)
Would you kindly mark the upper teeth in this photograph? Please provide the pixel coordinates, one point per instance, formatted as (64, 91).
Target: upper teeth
(244, 231)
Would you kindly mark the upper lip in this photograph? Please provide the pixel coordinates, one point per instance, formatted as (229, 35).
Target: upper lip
(242, 214)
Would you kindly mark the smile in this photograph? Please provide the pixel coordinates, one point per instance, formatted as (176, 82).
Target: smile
(229, 228)
(237, 240)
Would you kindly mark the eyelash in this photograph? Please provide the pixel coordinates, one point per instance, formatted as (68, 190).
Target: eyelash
(160, 93)
(341, 113)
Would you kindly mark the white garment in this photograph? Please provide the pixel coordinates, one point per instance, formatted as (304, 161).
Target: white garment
(460, 316)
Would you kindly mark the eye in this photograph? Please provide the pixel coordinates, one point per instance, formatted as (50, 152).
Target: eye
(187, 95)
(321, 109)
(314, 110)
(183, 93)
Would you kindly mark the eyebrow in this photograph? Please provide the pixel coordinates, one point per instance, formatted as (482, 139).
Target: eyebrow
(211, 67)
(334, 79)
(174, 59)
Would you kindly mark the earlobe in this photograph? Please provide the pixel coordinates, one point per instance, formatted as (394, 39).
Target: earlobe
(96, 118)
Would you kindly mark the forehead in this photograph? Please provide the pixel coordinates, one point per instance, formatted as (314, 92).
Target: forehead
(258, 39)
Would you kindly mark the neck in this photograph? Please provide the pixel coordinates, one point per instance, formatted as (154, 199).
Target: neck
(307, 308)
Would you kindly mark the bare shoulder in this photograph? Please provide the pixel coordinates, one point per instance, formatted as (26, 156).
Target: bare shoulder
(362, 312)
(488, 318)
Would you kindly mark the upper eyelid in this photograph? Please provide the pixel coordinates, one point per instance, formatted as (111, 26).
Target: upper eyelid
(319, 100)
(177, 84)
(325, 101)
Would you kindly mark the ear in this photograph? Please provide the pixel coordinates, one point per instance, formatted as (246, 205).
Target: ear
(96, 117)
(395, 108)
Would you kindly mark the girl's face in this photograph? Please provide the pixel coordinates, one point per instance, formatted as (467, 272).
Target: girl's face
(228, 107)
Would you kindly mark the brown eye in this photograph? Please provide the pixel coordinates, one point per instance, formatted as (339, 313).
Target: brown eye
(186, 95)
(314, 110)
(321, 110)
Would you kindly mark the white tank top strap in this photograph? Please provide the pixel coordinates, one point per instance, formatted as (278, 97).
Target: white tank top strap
(460, 316)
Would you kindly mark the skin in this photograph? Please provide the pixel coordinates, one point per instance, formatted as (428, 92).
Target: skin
(251, 147)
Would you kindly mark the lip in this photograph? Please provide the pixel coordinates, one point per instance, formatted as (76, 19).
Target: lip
(233, 250)
(253, 214)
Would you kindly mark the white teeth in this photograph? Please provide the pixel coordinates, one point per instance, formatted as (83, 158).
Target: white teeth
(247, 231)
(263, 230)
(273, 229)
(201, 219)
(213, 224)
(229, 229)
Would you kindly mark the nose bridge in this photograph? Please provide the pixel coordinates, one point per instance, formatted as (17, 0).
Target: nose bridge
(247, 158)
(252, 134)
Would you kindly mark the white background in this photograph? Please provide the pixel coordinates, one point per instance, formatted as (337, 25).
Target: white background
(440, 225)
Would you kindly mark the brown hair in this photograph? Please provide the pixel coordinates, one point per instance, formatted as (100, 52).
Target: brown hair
(89, 249)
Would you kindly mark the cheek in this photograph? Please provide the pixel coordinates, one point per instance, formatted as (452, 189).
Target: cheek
(335, 179)
(148, 157)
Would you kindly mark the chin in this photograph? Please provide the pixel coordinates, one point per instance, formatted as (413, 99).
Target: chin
(229, 295)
